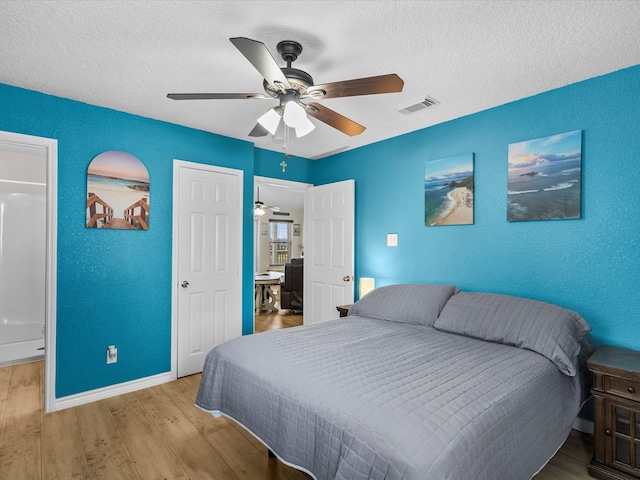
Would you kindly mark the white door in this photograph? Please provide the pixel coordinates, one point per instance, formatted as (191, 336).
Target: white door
(328, 264)
(208, 250)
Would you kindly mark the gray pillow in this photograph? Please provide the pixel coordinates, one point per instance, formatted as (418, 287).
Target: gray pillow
(547, 329)
(406, 303)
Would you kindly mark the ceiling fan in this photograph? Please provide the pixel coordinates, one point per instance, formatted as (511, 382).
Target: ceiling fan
(259, 207)
(291, 86)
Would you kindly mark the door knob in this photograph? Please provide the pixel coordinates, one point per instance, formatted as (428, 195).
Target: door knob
(346, 278)
(184, 284)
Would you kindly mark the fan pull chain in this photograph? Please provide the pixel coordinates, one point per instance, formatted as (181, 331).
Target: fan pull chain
(285, 144)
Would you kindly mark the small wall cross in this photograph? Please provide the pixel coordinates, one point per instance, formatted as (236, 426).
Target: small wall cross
(283, 164)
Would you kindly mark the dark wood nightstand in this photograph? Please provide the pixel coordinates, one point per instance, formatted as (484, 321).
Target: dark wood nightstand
(344, 309)
(616, 388)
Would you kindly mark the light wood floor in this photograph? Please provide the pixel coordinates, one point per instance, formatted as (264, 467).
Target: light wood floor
(281, 319)
(157, 433)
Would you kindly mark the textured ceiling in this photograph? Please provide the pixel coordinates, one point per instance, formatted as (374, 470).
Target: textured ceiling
(468, 55)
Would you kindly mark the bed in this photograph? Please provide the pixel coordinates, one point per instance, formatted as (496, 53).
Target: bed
(417, 382)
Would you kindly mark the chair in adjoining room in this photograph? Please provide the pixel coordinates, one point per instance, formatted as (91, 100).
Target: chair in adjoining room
(291, 289)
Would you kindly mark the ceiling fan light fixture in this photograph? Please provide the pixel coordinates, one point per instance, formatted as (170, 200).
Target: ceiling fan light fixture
(304, 128)
(259, 210)
(270, 121)
(295, 116)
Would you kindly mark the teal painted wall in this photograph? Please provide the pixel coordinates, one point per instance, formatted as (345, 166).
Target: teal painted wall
(268, 164)
(590, 265)
(114, 286)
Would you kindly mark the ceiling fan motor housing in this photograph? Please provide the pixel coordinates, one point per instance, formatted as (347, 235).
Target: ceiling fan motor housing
(298, 80)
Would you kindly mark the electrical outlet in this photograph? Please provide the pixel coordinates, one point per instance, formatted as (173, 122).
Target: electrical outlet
(112, 354)
(392, 240)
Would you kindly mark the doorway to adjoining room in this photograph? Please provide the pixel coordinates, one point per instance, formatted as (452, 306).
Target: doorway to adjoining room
(23, 245)
(278, 253)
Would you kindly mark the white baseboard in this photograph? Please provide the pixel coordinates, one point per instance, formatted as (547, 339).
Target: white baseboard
(582, 425)
(110, 391)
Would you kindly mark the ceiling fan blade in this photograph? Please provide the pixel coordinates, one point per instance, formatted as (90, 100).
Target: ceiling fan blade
(215, 96)
(334, 119)
(259, 56)
(258, 131)
(390, 83)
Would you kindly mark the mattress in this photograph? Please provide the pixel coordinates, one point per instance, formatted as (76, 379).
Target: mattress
(366, 398)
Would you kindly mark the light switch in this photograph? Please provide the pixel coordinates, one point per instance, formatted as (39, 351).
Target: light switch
(392, 240)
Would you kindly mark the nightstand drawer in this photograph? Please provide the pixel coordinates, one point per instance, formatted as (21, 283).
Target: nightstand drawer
(622, 388)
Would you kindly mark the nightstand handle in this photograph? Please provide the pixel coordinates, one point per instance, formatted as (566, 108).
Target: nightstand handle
(631, 389)
(607, 432)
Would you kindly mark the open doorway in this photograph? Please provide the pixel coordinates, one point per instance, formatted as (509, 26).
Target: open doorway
(278, 253)
(30, 165)
(23, 186)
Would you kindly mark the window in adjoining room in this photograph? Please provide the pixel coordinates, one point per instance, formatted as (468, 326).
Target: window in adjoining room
(280, 233)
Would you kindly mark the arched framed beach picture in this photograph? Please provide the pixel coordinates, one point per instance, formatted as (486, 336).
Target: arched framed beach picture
(448, 191)
(117, 192)
(545, 178)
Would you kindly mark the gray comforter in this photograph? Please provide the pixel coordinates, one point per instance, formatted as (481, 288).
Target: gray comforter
(364, 398)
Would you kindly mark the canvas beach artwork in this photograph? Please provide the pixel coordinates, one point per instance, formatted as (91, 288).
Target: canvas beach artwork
(117, 192)
(448, 191)
(544, 178)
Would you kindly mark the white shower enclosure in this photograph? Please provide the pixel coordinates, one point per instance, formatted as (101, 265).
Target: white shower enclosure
(23, 211)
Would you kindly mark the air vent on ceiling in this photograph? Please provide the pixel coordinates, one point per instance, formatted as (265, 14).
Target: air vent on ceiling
(421, 104)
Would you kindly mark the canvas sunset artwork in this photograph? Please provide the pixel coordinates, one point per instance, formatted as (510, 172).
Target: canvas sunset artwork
(117, 192)
(545, 178)
(448, 191)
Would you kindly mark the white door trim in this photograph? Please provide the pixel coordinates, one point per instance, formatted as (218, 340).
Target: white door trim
(177, 164)
(50, 146)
